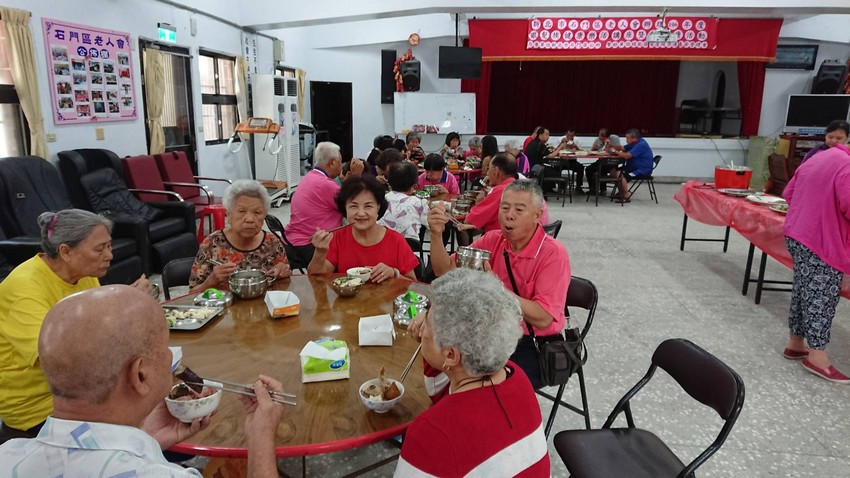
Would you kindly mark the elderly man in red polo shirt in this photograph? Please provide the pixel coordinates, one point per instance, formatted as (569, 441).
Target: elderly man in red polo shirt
(540, 265)
(484, 215)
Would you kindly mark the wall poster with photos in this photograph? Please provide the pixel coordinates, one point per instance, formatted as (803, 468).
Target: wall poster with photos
(91, 73)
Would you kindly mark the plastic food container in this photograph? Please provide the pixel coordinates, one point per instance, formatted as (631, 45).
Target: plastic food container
(734, 177)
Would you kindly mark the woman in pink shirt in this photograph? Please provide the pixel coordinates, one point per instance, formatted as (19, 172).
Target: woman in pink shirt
(436, 174)
(816, 230)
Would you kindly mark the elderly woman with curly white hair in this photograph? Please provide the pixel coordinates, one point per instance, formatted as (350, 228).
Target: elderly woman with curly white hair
(488, 421)
(242, 244)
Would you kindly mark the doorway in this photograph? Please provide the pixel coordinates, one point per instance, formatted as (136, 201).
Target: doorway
(178, 118)
(331, 111)
(719, 93)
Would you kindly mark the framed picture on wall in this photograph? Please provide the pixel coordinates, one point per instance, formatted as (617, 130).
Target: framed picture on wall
(795, 57)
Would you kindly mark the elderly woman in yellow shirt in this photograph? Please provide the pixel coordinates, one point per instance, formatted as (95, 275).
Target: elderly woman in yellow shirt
(77, 250)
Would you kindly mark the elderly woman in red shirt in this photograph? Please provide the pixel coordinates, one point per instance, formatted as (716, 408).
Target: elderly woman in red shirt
(365, 243)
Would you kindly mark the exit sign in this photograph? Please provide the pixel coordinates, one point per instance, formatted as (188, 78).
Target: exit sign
(167, 33)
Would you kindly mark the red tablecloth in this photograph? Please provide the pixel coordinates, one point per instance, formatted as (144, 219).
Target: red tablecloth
(757, 223)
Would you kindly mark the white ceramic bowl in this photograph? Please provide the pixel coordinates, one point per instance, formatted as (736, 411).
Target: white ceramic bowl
(188, 410)
(361, 273)
(384, 406)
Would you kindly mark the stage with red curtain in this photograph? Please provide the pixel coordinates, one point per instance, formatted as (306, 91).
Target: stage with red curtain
(521, 88)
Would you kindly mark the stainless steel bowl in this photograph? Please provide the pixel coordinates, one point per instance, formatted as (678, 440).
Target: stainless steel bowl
(248, 283)
(471, 258)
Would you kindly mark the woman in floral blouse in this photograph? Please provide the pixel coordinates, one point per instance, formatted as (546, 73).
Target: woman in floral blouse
(241, 245)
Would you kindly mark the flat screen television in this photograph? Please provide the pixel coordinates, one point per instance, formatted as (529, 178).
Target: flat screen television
(460, 62)
(809, 114)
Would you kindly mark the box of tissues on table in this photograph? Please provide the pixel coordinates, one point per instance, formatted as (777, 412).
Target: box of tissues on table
(324, 359)
(376, 330)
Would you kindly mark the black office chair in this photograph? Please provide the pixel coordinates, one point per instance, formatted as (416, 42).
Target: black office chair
(553, 228)
(634, 452)
(176, 273)
(30, 186)
(582, 294)
(648, 179)
(295, 259)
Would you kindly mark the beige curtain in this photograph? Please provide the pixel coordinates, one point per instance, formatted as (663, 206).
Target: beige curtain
(22, 59)
(155, 97)
(241, 78)
(302, 86)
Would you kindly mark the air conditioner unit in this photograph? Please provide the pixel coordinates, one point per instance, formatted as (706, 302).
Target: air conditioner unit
(276, 97)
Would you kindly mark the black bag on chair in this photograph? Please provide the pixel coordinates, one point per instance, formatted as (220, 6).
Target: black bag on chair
(560, 355)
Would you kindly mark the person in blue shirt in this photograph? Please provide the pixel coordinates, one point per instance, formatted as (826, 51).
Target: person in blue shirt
(638, 156)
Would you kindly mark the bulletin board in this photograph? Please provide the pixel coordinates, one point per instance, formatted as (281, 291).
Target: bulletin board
(91, 73)
(446, 112)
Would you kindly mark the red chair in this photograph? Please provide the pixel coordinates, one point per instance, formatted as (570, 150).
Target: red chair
(144, 180)
(177, 175)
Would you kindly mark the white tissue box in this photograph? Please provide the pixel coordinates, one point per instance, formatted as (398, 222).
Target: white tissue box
(376, 330)
(324, 359)
(282, 303)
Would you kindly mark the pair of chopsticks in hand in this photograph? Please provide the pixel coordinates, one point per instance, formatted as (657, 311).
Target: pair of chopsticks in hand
(247, 390)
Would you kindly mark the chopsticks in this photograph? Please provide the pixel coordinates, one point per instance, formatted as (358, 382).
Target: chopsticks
(340, 227)
(453, 220)
(240, 392)
(249, 387)
(410, 364)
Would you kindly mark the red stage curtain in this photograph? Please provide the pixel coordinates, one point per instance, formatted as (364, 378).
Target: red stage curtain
(751, 89)
(585, 95)
(481, 88)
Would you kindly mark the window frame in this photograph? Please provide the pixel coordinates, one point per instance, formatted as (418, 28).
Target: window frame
(217, 98)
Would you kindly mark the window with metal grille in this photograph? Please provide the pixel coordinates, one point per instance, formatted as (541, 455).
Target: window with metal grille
(218, 96)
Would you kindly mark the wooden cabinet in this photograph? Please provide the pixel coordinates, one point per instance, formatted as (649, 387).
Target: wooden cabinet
(795, 147)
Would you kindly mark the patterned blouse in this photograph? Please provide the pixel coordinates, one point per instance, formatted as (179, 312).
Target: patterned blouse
(217, 247)
(405, 214)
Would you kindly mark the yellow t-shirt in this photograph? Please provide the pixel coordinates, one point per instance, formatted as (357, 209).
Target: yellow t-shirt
(25, 297)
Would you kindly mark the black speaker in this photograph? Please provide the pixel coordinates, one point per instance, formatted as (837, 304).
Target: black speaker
(410, 75)
(830, 79)
(387, 77)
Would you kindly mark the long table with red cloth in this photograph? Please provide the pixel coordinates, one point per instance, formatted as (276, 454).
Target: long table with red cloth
(757, 223)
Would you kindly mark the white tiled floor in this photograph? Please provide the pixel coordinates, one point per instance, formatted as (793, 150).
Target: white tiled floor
(793, 424)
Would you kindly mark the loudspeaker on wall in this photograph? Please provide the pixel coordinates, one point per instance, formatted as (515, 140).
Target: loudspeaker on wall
(830, 79)
(387, 78)
(410, 75)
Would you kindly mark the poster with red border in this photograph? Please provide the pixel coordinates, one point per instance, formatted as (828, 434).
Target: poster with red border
(611, 34)
(91, 73)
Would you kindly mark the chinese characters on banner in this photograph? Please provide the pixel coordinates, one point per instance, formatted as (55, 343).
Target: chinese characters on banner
(620, 33)
(91, 73)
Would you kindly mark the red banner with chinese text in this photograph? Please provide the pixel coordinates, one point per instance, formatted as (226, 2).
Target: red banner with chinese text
(616, 34)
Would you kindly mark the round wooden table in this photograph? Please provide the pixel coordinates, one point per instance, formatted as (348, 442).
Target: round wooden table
(244, 341)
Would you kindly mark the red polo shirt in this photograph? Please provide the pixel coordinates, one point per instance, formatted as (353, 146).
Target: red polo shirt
(541, 270)
(485, 215)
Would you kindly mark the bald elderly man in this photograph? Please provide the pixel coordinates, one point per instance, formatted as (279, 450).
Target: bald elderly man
(104, 353)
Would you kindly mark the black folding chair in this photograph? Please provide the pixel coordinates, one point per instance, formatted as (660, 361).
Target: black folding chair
(176, 273)
(636, 453)
(296, 261)
(553, 228)
(582, 293)
(648, 179)
(564, 182)
(416, 247)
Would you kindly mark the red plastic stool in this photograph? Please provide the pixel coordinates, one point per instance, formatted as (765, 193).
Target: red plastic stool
(216, 214)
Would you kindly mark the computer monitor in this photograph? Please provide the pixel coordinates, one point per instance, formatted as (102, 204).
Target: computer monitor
(460, 62)
(810, 114)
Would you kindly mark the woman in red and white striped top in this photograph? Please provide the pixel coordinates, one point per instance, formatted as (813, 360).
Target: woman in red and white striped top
(488, 423)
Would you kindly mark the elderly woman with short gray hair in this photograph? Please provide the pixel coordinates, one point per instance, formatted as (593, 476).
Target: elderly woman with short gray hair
(243, 244)
(481, 396)
(77, 249)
